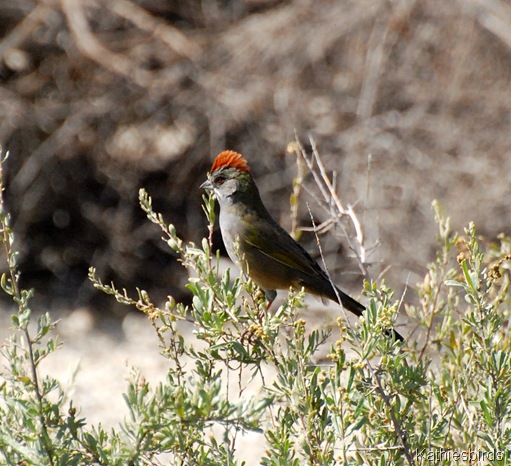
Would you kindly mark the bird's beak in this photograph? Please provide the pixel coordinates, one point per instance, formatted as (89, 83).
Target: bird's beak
(207, 185)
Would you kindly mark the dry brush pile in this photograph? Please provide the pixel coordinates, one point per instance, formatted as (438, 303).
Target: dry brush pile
(407, 100)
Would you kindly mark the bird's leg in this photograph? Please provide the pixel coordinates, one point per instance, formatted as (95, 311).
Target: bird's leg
(270, 297)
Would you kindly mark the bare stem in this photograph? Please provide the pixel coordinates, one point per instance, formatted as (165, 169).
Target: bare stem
(333, 204)
(22, 308)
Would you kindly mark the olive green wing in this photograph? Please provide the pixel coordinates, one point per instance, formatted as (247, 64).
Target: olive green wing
(280, 247)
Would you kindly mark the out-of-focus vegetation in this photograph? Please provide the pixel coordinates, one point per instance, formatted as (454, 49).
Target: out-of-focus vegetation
(409, 101)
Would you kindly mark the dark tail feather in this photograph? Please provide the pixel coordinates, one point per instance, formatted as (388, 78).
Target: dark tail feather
(392, 333)
(354, 306)
(351, 304)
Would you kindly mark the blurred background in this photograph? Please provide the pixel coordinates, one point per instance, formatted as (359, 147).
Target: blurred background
(407, 100)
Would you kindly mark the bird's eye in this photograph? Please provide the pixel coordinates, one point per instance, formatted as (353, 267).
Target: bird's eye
(219, 180)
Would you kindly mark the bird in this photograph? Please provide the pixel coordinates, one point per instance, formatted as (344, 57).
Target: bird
(258, 244)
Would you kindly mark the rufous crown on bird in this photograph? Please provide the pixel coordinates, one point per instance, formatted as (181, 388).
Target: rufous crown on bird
(230, 159)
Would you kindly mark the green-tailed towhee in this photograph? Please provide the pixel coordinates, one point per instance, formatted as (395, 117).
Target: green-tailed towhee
(266, 252)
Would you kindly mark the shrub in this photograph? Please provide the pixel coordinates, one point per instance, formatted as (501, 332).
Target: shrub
(445, 392)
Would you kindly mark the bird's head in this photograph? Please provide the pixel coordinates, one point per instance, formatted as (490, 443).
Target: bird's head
(230, 177)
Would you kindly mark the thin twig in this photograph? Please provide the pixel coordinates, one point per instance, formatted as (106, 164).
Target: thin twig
(394, 420)
(96, 51)
(24, 29)
(168, 34)
(374, 64)
(325, 267)
(297, 190)
(337, 209)
(44, 436)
